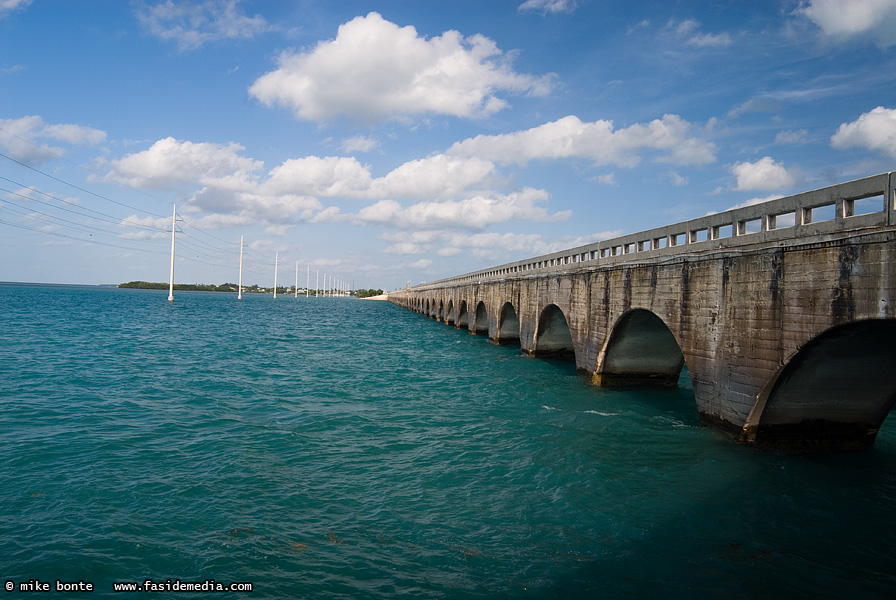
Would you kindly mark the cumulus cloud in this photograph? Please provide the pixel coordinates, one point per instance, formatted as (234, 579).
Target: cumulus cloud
(875, 130)
(192, 24)
(874, 19)
(375, 70)
(438, 176)
(328, 176)
(170, 161)
(23, 142)
(597, 141)
(548, 6)
(764, 174)
(219, 179)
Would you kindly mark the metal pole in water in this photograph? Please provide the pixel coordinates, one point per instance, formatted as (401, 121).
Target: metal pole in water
(171, 278)
(297, 279)
(276, 260)
(239, 295)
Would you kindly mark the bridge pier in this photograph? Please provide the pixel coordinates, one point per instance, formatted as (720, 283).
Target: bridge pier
(787, 331)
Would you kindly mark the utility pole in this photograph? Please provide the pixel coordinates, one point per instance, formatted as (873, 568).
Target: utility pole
(171, 278)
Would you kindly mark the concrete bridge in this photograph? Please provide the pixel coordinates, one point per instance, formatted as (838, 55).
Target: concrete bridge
(783, 313)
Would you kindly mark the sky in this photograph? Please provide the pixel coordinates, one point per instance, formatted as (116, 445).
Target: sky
(382, 143)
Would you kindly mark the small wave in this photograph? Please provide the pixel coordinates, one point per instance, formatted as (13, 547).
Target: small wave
(590, 412)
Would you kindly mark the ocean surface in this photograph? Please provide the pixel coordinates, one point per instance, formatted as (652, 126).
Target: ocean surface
(334, 448)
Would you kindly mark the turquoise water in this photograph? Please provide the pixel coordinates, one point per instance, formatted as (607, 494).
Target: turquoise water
(333, 448)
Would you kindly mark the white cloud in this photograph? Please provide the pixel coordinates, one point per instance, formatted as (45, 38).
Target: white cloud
(495, 246)
(22, 141)
(331, 214)
(7, 6)
(709, 40)
(608, 179)
(684, 28)
(375, 70)
(405, 248)
(753, 201)
(792, 136)
(359, 144)
(569, 137)
(423, 263)
(678, 180)
(842, 20)
(192, 24)
(145, 228)
(170, 161)
(690, 29)
(477, 212)
(439, 177)
(764, 174)
(329, 176)
(485, 245)
(875, 130)
(548, 6)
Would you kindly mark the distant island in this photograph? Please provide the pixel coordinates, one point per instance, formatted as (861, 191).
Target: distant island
(191, 287)
(232, 287)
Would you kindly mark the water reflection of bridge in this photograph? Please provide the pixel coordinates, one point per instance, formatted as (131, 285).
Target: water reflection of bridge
(781, 311)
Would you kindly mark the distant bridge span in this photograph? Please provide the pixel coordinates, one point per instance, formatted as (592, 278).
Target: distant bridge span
(783, 313)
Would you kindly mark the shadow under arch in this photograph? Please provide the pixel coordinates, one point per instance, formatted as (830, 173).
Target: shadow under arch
(640, 351)
(480, 319)
(449, 313)
(463, 318)
(832, 395)
(508, 330)
(553, 338)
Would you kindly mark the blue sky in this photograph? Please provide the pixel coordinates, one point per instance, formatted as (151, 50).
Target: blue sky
(387, 142)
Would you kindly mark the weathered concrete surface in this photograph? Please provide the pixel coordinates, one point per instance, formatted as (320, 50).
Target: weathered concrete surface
(790, 341)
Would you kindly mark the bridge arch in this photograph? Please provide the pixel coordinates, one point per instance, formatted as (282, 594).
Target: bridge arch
(553, 337)
(480, 319)
(463, 317)
(449, 313)
(508, 328)
(441, 315)
(640, 350)
(833, 394)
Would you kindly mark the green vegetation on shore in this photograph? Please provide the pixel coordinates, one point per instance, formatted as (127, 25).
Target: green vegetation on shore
(194, 287)
(367, 293)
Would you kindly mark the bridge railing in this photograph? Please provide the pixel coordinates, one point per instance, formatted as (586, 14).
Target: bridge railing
(861, 204)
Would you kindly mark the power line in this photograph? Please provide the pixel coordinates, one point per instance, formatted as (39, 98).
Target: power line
(80, 166)
(62, 181)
